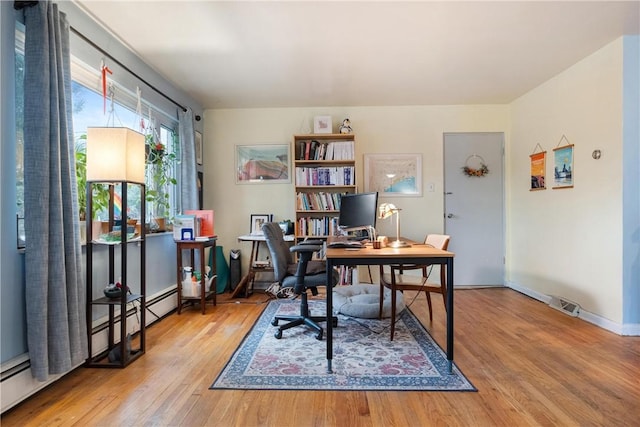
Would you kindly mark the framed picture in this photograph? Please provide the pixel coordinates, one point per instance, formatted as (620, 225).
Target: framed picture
(256, 222)
(262, 164)
(563, 167)
(393, 175)
(200, 189)
(538, 162)
(198, 143)
(322, 124)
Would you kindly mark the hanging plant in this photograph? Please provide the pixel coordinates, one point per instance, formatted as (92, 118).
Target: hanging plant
(470, 169)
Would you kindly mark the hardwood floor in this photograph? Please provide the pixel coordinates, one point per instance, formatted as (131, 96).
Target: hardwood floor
(532, 365)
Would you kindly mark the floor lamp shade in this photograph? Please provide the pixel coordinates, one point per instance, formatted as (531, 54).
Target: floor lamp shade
(115, 154)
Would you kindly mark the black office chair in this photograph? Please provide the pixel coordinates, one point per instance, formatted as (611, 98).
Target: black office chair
(304, 275)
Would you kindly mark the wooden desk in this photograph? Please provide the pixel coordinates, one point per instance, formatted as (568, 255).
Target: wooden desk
(192, 246)
(250, 277)
(416, 254)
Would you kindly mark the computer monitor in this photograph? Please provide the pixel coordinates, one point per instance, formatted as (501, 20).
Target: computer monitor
(359, 212)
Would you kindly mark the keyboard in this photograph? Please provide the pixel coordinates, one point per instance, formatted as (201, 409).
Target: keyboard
(345, 243)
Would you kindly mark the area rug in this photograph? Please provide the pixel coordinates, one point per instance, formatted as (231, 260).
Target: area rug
(363, 359)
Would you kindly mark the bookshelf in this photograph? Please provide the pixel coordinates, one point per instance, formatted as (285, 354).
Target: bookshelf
(324, 170)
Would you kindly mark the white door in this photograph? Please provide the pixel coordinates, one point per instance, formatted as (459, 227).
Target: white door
(474, 206)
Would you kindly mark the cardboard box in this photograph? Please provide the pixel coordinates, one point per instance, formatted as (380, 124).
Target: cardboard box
(206, 222)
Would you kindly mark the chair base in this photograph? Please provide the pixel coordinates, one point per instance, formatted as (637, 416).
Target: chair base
(304, 318)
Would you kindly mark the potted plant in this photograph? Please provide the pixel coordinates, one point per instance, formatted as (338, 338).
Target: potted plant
(159, 178)
(100, 197)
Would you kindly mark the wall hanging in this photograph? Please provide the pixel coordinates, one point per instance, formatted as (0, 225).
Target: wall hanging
(262, 164)
(393, 175)
(563, 165)
(538, 168)
(475, 166)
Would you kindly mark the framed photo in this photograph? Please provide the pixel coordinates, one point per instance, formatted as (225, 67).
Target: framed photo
(262, 164)
(563, 167)
(322, 124)
(200, 189)
(198, 143)
(393, 175)
(256, 222)
(538, 165)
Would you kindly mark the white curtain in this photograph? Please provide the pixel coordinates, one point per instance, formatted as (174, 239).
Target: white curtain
(55, 291)
(188, 168)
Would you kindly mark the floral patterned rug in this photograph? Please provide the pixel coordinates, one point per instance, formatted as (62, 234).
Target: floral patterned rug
(364, 358)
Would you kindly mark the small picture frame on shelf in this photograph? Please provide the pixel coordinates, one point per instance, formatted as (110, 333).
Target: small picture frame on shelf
(322, 124)
(256, 223)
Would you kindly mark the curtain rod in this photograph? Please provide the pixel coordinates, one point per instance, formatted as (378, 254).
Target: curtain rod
(104, 52)
(22, 4)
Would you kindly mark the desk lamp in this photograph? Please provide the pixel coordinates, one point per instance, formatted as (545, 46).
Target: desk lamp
(387, 210)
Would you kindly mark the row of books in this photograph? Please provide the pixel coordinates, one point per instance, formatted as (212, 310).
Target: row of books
(336, 175)
(320, 201)
(324, 150)
(319, 227)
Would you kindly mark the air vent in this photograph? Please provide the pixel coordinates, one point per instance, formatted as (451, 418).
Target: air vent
(564, 305)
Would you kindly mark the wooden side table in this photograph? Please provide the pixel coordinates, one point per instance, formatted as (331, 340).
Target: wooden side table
(192, 246)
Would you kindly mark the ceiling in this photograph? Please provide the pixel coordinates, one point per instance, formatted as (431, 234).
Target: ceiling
(241, 54)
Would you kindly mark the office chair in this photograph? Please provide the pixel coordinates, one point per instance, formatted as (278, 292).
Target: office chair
(302, 276)
(397, 281)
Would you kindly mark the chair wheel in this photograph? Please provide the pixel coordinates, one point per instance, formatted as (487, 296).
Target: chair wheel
(319, 336)
(274, 322)
(278, 334)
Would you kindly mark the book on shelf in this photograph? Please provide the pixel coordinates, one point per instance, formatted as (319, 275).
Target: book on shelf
(324, 150)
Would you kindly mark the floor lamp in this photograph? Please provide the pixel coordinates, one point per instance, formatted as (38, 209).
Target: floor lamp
(387, 210)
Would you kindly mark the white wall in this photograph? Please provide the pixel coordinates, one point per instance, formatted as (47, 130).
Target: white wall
(568, 242)
(403, 129)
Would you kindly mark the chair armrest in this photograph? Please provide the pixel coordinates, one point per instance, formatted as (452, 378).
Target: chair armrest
(305, 248)
(311, 242)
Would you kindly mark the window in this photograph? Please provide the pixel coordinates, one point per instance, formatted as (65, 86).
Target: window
(88, 111)
(19, 103)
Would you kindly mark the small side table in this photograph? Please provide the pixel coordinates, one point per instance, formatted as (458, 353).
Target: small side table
(192, 246)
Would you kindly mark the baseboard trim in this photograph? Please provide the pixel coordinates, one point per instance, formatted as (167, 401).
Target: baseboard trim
(16, 381)
(617, 328)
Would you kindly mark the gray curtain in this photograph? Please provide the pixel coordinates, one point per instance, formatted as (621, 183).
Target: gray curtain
(188, 167)
(55, 291)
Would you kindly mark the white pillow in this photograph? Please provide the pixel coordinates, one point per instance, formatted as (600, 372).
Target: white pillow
(363, 301)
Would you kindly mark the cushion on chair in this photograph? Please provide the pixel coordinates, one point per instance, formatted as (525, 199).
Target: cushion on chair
(363, 301)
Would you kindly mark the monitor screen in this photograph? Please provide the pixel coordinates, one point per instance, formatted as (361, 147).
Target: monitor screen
(358, 211)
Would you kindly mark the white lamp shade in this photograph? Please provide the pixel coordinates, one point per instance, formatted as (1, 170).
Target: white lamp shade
(115, 154)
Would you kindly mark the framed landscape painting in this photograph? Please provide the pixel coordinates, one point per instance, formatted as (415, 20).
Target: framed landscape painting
(262, 164)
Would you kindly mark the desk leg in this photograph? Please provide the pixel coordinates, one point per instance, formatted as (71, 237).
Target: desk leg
(450, 313)
(214, 274)
(203, 281)
(329, 316)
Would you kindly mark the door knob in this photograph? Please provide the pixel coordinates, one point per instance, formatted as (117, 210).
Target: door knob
(449, 215)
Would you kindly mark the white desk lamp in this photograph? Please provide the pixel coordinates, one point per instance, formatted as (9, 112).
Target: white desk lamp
(387, 210)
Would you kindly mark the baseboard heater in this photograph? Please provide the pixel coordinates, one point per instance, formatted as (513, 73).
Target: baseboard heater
(564, 305)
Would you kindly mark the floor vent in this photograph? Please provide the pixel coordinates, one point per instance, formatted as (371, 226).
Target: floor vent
(564, 305)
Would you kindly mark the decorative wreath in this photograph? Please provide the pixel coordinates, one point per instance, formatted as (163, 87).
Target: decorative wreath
(471, 169)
